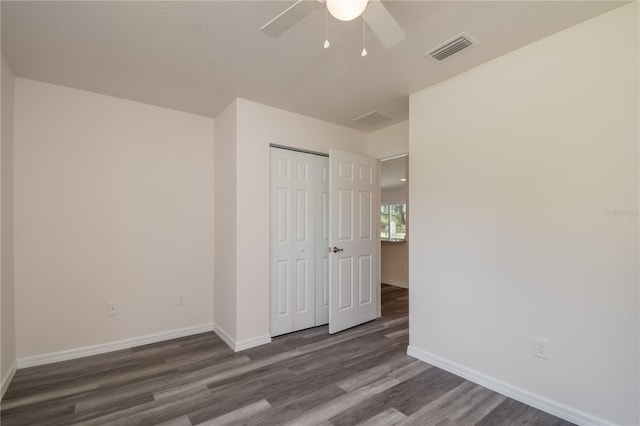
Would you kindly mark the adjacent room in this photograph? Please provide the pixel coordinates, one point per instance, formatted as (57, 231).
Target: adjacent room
(394, 221)
(332, 212)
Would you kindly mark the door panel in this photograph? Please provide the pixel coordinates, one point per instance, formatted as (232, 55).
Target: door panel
(301, 286)
(365, 210)
(345, 283)
(322, 243)
(366, 174)
(366, 284)
(304, 247)
(345, 214)
(281, 242)
(354, 289)
(293, 248)
(282, 288)
(282, 214)
(302, 210)
(299, 229)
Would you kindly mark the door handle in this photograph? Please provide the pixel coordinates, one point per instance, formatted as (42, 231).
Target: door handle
(336, 249)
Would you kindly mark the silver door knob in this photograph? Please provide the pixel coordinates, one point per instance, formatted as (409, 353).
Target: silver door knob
(336, 249)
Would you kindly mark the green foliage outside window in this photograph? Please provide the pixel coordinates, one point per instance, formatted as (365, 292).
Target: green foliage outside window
(393, 222)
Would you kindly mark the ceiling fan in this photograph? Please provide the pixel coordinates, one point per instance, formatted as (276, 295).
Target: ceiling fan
(376, 15)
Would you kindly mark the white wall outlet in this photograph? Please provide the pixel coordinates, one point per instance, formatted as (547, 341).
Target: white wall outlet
(180, 298)
(541, 347)
(112, 308)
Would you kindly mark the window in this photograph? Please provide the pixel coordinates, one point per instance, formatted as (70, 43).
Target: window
(393, 222)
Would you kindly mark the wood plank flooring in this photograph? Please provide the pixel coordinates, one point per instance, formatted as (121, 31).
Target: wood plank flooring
(361, 376)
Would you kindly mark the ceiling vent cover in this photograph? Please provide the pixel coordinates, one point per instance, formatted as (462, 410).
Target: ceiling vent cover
(450, 47)
(372, 118)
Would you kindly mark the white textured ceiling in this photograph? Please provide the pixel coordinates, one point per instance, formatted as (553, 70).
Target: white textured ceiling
(198, 56)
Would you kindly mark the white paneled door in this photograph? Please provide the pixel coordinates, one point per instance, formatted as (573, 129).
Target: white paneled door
(299, 240)
(354, 289)
(324, 241)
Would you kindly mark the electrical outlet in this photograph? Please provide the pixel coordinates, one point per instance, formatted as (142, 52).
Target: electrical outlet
(112, 308)
(180, 298)
(541, 347)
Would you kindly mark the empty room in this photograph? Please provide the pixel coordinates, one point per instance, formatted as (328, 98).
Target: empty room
(328, 212)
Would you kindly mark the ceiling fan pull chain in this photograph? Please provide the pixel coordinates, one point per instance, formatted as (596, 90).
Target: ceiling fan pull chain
(364, 40)
(326, 28)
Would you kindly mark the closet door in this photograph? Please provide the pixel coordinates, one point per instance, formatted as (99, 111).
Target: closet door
(293, 240)
(281, 242)
(322, 242)
(305, 186)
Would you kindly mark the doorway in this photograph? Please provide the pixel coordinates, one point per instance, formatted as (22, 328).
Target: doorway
(394, 221)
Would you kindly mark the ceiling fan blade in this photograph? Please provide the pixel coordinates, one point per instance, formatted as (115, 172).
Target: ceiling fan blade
(288, 18)
(382, 24)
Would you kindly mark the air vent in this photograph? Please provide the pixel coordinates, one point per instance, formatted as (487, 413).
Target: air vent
(451, 47)
(372, 118)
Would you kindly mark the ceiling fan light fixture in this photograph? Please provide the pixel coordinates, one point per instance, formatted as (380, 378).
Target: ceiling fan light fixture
(346, 10)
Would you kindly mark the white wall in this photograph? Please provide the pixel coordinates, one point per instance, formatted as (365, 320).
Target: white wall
(509, 234)
(113, 201)
(394, 264)
(394, 195)
(388, 142)
(258, 126)
(225, 311)
(8, 341)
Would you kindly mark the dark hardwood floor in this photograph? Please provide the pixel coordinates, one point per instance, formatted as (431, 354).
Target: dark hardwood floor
(359, 376)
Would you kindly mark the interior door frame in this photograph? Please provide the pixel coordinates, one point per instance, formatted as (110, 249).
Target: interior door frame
(407, 202)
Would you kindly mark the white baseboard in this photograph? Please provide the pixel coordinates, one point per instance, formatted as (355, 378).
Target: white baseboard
(31, 361)
(230, 341)
(395, 283)
(240, 345)
(540, 402)
(8, 377)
